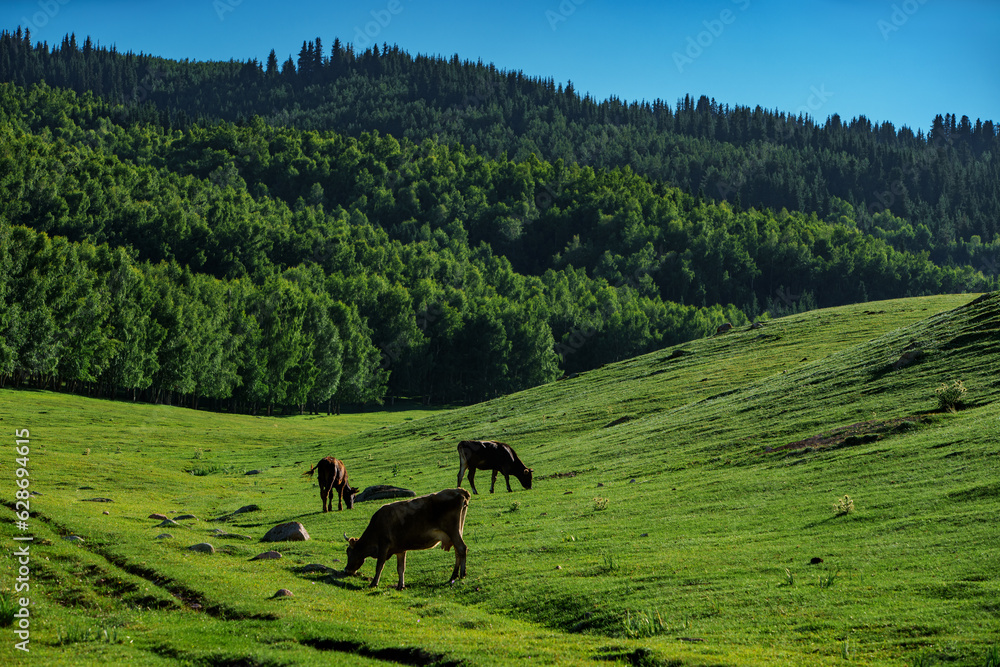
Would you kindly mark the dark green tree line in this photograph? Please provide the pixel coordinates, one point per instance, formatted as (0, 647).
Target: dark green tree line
(256, 267)
(943, 185)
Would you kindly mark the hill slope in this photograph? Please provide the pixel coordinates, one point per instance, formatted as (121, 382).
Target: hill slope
(679, 500)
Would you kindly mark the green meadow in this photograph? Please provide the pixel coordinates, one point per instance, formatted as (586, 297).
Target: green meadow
(770, 496)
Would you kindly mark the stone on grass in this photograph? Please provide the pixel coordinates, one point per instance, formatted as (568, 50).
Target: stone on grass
(293, 531)
(164, 536)
(382, 492)
(282, 593)
(907, 358)
(242, 510)
(159, 517)
(203, 547)
(267, 555)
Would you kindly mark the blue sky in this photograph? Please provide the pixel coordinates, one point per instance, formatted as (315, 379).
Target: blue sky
(898, 60)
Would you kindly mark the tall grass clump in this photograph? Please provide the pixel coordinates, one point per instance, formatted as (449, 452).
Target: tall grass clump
(950, 396)
(7, 610)
(640, 624)
(843, 506)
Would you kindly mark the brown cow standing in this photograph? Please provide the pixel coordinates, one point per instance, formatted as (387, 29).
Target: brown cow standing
(333, 475)
(490, 455)
(407, 525)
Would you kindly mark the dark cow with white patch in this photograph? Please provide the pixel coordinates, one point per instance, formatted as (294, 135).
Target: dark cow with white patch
(333, 478)
(408, 525)
(491, 455)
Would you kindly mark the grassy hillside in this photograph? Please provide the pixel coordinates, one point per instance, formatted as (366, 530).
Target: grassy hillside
(680, 498)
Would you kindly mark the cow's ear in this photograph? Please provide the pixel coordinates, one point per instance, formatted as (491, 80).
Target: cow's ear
(529, 470)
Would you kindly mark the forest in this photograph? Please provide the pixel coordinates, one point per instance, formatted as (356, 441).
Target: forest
(213, 235)
(937, 192)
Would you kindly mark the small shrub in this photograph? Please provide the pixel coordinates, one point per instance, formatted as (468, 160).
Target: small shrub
(993, 656)
(843, 506)
(789, 578)
(827, 581)
(198, 454)
(950, 396)
(640, 624)
(609, 562)
(515, 506)
(600, 504)
(7, 611)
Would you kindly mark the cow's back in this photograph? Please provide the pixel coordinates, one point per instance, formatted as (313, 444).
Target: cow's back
(487, 453)
(404, 519)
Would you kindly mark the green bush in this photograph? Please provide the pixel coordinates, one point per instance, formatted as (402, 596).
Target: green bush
(844, 506)
(950, 396)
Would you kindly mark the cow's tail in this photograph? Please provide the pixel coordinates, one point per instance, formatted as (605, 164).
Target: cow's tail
(309, 473)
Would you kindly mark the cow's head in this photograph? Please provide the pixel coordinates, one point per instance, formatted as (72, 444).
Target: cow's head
(349, 496)
(525, 477)
(355, 558)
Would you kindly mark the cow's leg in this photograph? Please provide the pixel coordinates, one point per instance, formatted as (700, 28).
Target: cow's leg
(461, 470)
(379, 564)
(401, 569)
(323, 497)
(460, 551)
(494, 482)
(507, 479)
(340, 499)
(472, 480)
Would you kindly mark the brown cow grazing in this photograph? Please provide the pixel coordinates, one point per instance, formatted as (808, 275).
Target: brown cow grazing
(490, 455)
(333, 476)
(407, 525)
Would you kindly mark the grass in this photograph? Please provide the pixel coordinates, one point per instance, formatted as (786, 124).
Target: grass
(669, 491)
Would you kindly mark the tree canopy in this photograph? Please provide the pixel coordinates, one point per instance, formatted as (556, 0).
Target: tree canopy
(254, 263)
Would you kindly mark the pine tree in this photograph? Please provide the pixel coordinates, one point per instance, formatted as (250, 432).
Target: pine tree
(318, 57)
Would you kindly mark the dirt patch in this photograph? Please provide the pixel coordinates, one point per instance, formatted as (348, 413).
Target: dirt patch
(855, 434)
